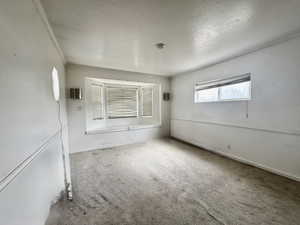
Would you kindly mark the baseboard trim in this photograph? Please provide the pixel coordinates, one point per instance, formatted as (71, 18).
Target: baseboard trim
(120, 145)
(240, 159)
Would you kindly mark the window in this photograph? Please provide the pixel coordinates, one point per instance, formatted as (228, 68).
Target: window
(97, 101)
(122, 102)
(121, 105)
(231, 89)
(147, 101)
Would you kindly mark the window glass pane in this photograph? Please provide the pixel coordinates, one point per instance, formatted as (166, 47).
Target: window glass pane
(235, 91)
(121, 102)
(206, 95)
(147, 98)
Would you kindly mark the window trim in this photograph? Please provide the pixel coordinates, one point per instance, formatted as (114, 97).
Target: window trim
(222, 83)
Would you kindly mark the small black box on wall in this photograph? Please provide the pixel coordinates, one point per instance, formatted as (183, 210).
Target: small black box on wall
(75, 93)
(166, 96)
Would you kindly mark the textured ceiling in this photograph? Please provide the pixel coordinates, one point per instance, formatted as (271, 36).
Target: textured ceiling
(121, 34)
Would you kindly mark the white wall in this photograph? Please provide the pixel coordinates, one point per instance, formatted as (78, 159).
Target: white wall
(29, 116)
(270, 137)
(79, 141)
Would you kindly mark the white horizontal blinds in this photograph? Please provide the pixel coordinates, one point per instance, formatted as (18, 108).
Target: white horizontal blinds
(122, 102)
(97, 101)
(147, 101)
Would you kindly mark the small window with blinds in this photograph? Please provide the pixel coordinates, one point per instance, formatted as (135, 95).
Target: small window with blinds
(122, 102)
(232, 89)
(147, 101)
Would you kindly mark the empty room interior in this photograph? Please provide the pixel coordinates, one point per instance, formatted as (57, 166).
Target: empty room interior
(150, 112)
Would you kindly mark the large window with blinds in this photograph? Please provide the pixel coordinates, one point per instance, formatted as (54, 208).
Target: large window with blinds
(236, 88)
(114, 103)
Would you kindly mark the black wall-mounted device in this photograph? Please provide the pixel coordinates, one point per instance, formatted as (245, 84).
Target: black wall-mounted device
(75, 93)
(166, 96)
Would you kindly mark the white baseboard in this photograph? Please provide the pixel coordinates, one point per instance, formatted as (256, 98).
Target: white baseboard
(242, 160)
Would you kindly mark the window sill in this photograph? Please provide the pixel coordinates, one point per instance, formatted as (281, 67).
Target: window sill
(122, 128)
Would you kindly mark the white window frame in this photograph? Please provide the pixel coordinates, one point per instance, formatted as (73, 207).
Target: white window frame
(222, 83)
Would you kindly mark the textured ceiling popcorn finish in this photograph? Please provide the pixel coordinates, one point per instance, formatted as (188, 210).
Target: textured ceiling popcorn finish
(122, 34)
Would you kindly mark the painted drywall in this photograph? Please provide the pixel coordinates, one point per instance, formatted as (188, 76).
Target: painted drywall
(79, 141)
(269, 137)
(29, 115)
